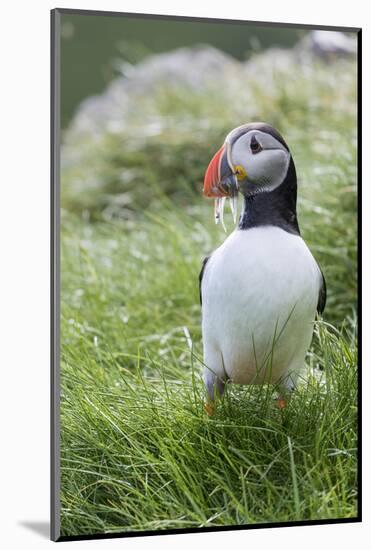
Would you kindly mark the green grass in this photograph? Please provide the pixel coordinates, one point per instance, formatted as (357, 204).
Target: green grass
(138, 451)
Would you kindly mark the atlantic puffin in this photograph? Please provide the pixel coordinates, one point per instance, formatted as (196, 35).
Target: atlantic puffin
(261, 290)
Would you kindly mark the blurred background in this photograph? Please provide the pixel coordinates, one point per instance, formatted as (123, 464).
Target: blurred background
(94, 47)
(145, 104)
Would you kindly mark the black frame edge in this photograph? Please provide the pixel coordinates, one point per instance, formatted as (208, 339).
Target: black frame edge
(359, 262)
(72, 11)
(130, 534)
(54, 274)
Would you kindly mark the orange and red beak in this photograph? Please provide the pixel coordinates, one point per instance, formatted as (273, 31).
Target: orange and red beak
(219, 178)
(213, 176)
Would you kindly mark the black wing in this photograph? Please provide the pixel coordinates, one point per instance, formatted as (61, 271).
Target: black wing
(322, 295)
(201, 275)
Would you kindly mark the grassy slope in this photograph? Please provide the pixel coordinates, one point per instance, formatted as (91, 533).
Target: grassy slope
(137, 450)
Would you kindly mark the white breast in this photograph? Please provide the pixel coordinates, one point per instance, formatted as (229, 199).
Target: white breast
(259, 296)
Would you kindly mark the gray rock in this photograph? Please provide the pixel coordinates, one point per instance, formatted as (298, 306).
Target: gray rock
(198, 68)
(193, 67)
(328, 44)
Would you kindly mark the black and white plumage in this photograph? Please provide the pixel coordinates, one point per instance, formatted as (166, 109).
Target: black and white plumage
(261, 288)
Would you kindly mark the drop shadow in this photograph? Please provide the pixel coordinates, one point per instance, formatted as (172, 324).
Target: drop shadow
(42, 528)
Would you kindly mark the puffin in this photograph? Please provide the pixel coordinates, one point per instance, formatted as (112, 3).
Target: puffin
(262, 289)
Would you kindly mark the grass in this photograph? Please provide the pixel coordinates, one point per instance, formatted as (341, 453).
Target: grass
(139, 453)
(137, 450)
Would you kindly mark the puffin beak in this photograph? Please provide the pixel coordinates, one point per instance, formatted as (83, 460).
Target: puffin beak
(220, 180)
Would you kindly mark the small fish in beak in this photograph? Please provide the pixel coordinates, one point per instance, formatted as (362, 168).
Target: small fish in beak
(221, 182)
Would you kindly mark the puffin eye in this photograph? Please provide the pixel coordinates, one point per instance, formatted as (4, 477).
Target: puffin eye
(255, 146)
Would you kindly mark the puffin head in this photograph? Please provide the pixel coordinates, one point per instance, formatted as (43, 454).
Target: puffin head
(253, 159)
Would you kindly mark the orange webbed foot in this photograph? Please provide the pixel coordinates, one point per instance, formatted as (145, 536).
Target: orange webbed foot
(281, 403)
(209, 409)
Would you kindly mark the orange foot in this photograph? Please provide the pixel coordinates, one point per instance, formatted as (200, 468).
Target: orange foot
(281, 403)
(209, 409)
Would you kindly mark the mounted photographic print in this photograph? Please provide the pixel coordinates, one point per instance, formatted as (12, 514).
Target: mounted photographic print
(205, 234)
